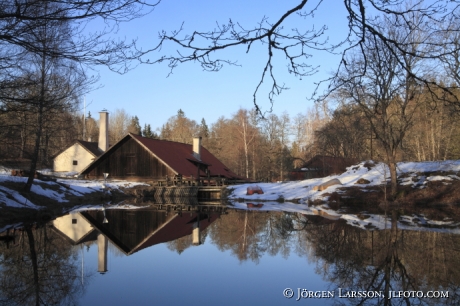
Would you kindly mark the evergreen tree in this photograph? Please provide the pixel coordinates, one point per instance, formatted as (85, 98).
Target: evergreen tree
(148, 132)
(134, 126)
(204, 130)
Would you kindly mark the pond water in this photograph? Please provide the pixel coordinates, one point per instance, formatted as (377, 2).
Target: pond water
(215, 255)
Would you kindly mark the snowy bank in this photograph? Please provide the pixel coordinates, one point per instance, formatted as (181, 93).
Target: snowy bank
(60, 191)
(364, 174)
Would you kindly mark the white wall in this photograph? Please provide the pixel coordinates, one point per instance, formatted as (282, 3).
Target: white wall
(74, 231)
(64, 161)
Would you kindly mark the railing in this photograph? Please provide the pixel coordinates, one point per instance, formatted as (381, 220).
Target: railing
(181, 181)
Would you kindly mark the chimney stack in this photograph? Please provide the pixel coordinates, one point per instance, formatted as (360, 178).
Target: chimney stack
(196, 233)
(197, 147)
(102, 244)
(103, 143)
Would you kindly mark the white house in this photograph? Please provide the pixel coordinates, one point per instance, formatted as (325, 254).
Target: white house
(76, 157)
(75, 227)
(81, 153)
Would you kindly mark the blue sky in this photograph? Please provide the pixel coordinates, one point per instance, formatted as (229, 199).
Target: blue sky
(148, 93)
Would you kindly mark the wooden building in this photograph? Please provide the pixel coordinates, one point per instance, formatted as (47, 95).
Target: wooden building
(134, 230)
(321, 166)
(137, 157)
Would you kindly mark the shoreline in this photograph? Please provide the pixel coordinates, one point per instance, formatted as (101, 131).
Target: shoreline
(431, 189)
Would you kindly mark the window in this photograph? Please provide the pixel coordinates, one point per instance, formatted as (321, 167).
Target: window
(75, 162)
(74, 221)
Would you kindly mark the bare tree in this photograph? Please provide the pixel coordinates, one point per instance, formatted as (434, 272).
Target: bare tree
(180, 128)
(119, 122)
(49, 83)
(387, 93)
(345, 134)
(276, 131)
(297, 44)
(451, 57)
(93, 47)
(46, 45)
(246, 133)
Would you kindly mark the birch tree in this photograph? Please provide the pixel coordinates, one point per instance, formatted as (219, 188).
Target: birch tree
(247, 134)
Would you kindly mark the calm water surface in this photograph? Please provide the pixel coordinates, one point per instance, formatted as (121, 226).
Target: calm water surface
(220, 256)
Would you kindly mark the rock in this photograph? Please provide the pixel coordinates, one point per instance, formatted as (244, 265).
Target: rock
(362, 181)
(325, 185)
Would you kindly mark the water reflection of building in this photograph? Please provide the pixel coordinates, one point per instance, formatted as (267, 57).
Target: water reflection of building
(131, 230)
(76, 229)
(134, 230)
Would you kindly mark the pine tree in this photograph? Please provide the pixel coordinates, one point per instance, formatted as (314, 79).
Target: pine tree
(148, 132)
(204, 130)
(134, 126)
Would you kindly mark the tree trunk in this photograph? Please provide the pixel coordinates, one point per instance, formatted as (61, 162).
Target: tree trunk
(393, 176)
(23, 136)
(33, 259)
(254, 162)
(38, 135)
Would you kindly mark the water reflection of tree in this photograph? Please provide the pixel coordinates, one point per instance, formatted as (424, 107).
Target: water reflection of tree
(250, 234)
(179, 245)
(387, 260)
(349, 257)
(40, 269)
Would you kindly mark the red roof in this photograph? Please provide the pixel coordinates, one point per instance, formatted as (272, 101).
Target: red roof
(179, 157)
(175, 228)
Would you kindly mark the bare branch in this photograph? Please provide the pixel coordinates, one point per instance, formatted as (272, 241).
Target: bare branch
(437, 18)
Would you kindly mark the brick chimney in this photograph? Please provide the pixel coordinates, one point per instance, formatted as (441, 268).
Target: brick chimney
(103, 143)
(197, 147)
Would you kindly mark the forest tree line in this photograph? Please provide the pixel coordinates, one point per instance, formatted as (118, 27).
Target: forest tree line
(254, 147)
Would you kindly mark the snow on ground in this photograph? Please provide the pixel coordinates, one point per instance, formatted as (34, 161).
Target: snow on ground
(121, 205)
(70, 174)
(304, 190)
(54, 190)
(87, 186)
(14, 199)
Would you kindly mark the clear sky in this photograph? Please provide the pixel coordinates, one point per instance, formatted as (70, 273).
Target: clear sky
(148, 93)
